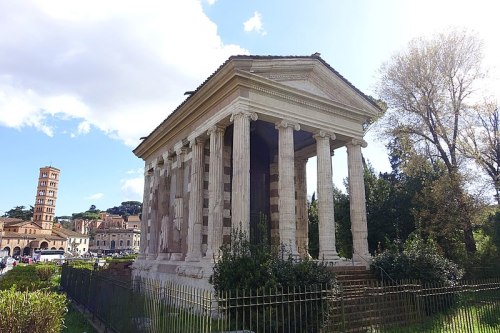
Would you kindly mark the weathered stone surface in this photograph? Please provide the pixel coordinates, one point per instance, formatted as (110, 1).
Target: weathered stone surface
(327, 250)
(358, 202)
(199, 196)
(286, 185)
(215, 191)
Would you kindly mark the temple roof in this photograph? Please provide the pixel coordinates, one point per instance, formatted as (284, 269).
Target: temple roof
(374, 108)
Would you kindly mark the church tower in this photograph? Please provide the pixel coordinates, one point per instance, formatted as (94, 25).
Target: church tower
(46, 195)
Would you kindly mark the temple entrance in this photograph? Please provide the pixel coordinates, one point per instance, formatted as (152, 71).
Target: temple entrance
(260, 225)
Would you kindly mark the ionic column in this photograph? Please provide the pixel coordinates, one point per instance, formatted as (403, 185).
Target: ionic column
(240, 191)
(178, 206)
(145, 215)
(286, 185)
(165, 184)
(357, 202)
(155, 223)
(215, 192)
(196, 200)
(326, 227)
(302, 218)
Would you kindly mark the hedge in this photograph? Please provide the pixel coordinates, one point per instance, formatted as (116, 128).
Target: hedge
(34, 312)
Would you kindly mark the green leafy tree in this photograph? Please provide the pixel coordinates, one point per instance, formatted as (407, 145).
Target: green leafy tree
(89, 215)
(20, 212)
(126, 208)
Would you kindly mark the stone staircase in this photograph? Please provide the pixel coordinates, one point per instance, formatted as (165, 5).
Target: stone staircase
(362, 304)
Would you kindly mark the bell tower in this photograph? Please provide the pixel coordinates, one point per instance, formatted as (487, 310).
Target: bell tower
(46, 195)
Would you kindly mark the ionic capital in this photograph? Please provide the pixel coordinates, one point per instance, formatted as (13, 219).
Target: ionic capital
(241, 113)
(181, 155)
(196, 141)
(167, 157)
(216, 129)
(324, 134)
(357, 142)
(286, 123)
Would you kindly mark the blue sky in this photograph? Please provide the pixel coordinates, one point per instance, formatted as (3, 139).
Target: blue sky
(82, 81)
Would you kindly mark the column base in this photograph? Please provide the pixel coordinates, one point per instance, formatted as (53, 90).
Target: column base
(192, 258)
(163, 256)
(151, 256)
(364, 260)
(328, 256)
(175, 256)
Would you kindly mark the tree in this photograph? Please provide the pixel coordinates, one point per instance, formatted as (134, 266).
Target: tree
(91, 214)
(480, 141)
(20, 212)
(126, 208)
(427, 88)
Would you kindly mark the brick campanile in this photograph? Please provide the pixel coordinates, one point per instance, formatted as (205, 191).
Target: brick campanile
(46, 195)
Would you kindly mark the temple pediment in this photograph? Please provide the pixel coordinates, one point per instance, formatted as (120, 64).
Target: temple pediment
(312, 75)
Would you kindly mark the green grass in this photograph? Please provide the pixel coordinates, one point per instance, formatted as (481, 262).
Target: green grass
(472, 318)
(75, 322)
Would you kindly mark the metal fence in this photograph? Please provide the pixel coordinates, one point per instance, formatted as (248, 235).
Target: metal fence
(156, 306)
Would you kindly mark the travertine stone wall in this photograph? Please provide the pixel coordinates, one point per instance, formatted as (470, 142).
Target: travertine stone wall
(274, 200)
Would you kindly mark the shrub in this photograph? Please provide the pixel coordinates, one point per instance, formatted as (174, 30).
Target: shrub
(418, 261)
(261, 266)
(421, 261)
(34, 312)
(46, 271)
(261, 269)
(27, 278)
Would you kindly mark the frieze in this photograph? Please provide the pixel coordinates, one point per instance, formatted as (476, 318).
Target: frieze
(299, 101)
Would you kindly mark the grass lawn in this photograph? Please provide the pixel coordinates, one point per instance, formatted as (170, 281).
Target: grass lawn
(470, 319)
(75, 322)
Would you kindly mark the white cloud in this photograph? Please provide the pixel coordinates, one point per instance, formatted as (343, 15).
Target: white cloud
(117, 66)
(211, 2)
(138, 171)
(254, 24)
(95, 196)
(133, 188)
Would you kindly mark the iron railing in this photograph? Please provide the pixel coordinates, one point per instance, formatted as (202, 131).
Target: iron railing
(159, 306)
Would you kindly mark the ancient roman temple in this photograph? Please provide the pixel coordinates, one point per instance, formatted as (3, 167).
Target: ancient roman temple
(233, 156)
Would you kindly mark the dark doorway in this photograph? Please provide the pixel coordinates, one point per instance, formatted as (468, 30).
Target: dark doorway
(112, 245)
(260, 226)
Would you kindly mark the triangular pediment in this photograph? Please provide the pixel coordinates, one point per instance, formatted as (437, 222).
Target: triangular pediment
(314, 76)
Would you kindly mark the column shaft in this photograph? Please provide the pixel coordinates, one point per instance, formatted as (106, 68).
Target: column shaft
(145, 216)
(196, 201)
(358, 202)
(215, 192)
(155, 218)
(165, 180)
(302, 218)
(176, 249)
(240, 192)
(327, 250)
(286, 186)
